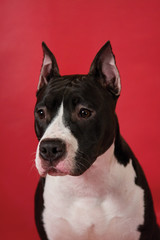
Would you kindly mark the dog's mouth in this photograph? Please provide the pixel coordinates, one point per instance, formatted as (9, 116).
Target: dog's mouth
(53, 171)
(59, 168)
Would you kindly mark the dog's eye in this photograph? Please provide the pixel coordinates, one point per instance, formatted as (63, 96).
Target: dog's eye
(41, 113)
(85, 113)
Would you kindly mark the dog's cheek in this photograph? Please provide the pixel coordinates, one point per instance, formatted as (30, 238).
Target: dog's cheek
(38, 162)
(39, 129)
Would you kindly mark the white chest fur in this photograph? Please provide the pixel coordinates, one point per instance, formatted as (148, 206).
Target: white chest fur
(102, 204)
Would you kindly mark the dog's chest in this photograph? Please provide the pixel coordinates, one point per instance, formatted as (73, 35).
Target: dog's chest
(96, 208)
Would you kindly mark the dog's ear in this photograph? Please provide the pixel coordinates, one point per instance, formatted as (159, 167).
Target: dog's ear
(104, 68)
(49, 67)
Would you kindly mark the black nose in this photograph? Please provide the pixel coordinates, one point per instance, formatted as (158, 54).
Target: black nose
(52, 149)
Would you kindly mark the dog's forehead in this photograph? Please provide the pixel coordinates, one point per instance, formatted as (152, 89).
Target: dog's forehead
(71, 82)
(71, 86)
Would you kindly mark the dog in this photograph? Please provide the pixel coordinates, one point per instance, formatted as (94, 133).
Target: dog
(91, 186)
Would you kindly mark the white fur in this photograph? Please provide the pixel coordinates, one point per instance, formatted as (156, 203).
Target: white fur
(102, 204)
(57, 129)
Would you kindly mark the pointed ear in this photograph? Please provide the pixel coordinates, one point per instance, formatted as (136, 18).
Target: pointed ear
(49, 67)
(104, 67)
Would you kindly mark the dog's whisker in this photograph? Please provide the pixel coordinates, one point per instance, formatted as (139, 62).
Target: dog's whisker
(33, 153)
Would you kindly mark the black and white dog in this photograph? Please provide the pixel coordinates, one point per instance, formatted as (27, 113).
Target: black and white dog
(92, 186)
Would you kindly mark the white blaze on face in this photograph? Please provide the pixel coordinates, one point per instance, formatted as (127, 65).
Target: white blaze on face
(57, 129)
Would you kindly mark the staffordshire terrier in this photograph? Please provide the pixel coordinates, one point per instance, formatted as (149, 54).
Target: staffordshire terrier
(92, 186)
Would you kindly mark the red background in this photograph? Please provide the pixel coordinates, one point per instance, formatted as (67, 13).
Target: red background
(74, 30)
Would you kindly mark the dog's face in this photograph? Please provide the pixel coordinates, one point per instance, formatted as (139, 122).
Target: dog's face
(75, 114)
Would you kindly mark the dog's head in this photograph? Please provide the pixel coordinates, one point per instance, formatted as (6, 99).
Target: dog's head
(75, 118)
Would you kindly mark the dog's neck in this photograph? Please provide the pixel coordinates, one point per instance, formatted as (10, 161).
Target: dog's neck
(102, 164)
(94, 181)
